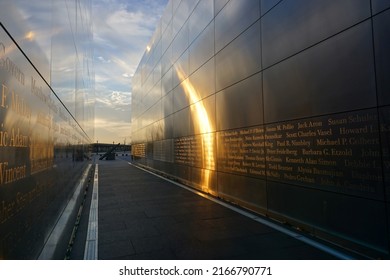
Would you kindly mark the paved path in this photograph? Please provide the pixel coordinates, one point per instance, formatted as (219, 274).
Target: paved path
(142, 216)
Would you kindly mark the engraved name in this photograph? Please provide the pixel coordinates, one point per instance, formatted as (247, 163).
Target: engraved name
(9, 174)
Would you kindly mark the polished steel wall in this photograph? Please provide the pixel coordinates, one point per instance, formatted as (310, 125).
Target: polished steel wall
(46, 116)
(279, 106)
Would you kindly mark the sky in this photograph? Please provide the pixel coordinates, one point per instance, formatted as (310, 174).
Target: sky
(122, 30)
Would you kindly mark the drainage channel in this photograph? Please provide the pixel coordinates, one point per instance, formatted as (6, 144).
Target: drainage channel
(91, 244)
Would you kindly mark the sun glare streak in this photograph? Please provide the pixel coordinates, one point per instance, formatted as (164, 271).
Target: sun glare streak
(203, 124)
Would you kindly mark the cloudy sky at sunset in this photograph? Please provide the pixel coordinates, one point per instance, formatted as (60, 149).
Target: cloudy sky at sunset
(122, 29)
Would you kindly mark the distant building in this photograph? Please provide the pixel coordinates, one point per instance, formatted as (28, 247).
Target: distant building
(100, 148)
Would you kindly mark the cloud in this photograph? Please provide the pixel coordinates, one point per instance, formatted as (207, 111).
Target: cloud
(112, 131)
(100, 58)
(127, 25)
(102, 123)
(114, 100)
(130, 23)
(122, 29)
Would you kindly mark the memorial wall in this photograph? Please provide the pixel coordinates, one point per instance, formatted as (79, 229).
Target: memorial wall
(282, 107)
(46, 117)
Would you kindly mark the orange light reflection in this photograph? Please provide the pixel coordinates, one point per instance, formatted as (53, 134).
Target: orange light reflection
(202, 124)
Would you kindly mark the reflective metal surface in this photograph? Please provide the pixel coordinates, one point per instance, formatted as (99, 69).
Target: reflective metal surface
(44, 134)
(280, 107)
(267, 5)
(203, 80)
(202, 49)
(246, 191)
(379, 5)
(333, 76)
(233, 19)
(318, 209)
(384, 127)
(382, 42)
(239, 59)
(200, 18)
(245, 94)
(293, 25)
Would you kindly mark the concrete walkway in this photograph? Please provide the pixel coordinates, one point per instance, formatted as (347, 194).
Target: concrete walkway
(141, 216)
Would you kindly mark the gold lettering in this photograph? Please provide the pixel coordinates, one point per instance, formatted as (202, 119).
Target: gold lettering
(273, 136)
(360, 130)
(288, 126)
(6, 210)
(370, 153)
(309, 124)
(273, 159)
(291, 135)
(309, 133)
(257, 172)
(44, 119)
(326, 162)
(337, 121)
(300, 143)
(363, 141)
(3, 137)
(12, 68)
(12, 207)
(321, 151)
(295, 160)
(272, 173)
(362, 118)
(270, 129)
(341, 153)
(19, 106)
(359, 163)
(331, 142)
(37, 90)
(303, 169)
(4, 93)
(310, 152)
(311, 161)
(333, 173)
(18, 140)
(365, 176)
(322, 132)
(11, 174)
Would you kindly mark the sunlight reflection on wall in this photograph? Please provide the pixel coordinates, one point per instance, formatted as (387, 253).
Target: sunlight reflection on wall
(202, 123)
(218, 86)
